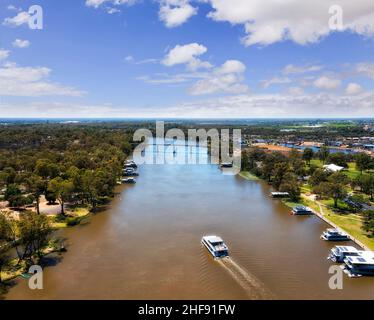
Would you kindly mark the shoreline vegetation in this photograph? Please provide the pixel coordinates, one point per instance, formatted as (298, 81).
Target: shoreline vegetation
(53, 177)
(342, 199)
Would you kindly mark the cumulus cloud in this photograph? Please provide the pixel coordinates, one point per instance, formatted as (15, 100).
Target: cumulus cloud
(327, 83)
(227, 78)
(270, 21)
(292, 69)
(18, 20)
(187, 54)
(175, 12)
(366, 69)
(31, 82)
(295, 91)
(353, 88)
(4, 54)
(275, 80)
(109, 5)
(19, 43)
(234, 106)
(278, 105)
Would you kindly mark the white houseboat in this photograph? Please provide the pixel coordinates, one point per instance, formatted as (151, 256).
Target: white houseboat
(334, 235)
(301, 210)
(362, 265)
(216, 246)
(339, 253)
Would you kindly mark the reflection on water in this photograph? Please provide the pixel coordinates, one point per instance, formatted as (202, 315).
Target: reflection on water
(147, 245)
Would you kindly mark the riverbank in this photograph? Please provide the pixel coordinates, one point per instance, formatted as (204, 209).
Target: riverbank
(75, 215)
(248, 176)
(351, 223)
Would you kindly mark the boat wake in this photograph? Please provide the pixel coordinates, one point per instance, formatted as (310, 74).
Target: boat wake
(253, 287)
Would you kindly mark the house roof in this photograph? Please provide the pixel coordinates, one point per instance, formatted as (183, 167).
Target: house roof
(332, 167)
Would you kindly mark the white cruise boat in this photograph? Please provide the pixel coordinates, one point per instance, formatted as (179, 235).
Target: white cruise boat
(216, 246)
(362, 265)
(339, 253)
(334, 235)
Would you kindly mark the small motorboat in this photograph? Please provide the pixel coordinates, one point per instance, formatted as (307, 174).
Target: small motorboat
(215, 246)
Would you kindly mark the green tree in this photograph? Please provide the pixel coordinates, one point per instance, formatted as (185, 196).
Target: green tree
(368, 225)
(318, 176)
(14, 196)
(363, 162)
(308, 155)
(8, 176)
(291, 185)
(366, 183)
(4, 237)
(33, 232)
(323, 154)
(62, 189)
(279, 171)
(334, 187)
(36, 186)
(339, 158)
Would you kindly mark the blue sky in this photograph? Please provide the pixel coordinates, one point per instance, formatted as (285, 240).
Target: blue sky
(180, 58)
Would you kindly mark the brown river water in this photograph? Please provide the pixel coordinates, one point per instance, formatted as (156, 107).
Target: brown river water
(146, 245)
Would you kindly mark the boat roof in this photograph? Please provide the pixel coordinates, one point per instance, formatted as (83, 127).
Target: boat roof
(213, 238)
(302, 208)
(366, 257)
(332, 230)
(346, 248)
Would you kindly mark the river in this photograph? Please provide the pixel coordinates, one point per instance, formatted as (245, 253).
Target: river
(146, 245)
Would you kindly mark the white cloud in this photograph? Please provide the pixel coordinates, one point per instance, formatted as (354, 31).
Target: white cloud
(175, 12)
(235, 106)
(19, 43)
(232, 66)
(111, 8)
(353, 88)
(327, 83)
(31, 82)
(187, 54)
(292, 69)
(18, 20)
(129, 58)
(227, 78)
(295, 91)
(277, 105)
(4, 54)
(13, 8)
(366, 69)
(270, 21)
(275, 80)
(95, 3)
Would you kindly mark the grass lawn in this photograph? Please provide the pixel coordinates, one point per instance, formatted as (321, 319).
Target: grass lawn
(316, 162)
(351, 223)
(352, 172)
(247, 175)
